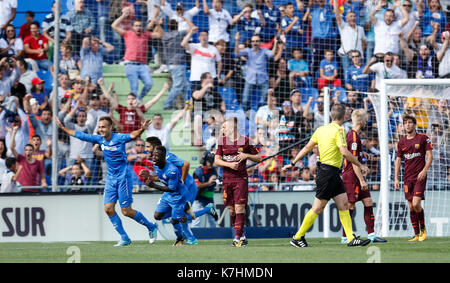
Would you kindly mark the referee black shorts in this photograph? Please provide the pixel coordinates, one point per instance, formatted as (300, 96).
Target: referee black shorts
(329, 182)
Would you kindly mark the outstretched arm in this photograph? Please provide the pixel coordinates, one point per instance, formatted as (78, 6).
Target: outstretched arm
(138, 132)
(150, 103)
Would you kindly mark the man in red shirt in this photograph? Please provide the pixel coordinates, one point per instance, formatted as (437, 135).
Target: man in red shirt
(232, 152)
(136, 47)
(24, 31)
(413, 148)
(36, 47)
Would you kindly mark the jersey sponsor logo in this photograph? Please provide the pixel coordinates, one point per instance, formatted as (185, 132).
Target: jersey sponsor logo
(110, 148)
(417, 146)
(412, 155)
(230, 158)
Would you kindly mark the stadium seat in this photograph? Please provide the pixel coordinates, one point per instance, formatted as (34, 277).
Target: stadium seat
(230, 98)
(306, 93)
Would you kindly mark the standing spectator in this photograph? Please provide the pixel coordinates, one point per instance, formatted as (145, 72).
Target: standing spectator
(135, 59)
(256, 77)
(384, 70)
(205, 177)
(103, 18)
(294, 29)
(182, 16)
(32, 170)
(443, 56)
(43, 125)
(387, 30)
(204, 57)
(36, 47)
(421, 65)
(290, 126)
(10, 176)
(68, 64)
(328, 71)
(3, 151)
(163, 132)
(20, 121)
(10, 45)
(24, 30)
(26, 75)
(92, 52)
(83, 24)
(7, 13)
(267, 114)
(247, 25)
(218, 21)
(175, 57)
(9, 74)
(355, 78)
(228, 78)
(352, 37)
(125, 24)
(63, 87)
(48, 27)
(272, 19)
(429, 14)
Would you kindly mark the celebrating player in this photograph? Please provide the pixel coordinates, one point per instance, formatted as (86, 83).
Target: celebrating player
(354, 182)
(119, 185)
(232, 152)
(413, 149)
(332, 147)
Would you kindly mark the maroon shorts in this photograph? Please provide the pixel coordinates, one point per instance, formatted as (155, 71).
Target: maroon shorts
(235, 192)
(353, 189)
(415, 188)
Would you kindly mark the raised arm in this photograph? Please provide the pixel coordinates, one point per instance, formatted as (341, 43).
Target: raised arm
(106, 92)
(205, 8)
(444, 47)
(177, 118)
(187, 37)
(150, 103)
(337, 14)
(116, 24)
(404, 45)
(70, 132)
(138, 132)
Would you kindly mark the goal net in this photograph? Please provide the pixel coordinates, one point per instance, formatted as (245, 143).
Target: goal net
(427, 101)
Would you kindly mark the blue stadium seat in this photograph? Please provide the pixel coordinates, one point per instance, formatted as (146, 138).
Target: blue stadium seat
(342, 95)
(47, 77)
(230, 98)
(307, 92)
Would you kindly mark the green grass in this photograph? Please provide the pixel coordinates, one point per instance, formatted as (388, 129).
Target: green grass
(397, 250)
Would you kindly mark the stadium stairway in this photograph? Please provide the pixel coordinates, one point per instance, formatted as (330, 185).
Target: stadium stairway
(180, 141)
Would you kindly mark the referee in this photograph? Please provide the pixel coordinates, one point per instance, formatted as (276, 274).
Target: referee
(332, 148)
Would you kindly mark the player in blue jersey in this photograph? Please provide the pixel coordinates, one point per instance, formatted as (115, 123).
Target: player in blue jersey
(119, 185)
(183, 166)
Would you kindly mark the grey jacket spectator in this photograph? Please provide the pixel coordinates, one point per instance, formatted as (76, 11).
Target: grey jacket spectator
(7, 80)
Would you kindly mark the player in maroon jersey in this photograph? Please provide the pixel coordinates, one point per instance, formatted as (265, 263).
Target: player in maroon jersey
(232, 152)
(354, 182)
(413, 149)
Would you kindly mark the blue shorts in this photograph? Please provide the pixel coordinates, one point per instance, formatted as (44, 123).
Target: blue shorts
(192, 191)
(176, 206)
(119, 188)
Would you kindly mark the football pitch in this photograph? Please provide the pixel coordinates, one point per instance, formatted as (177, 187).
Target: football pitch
(396, 250)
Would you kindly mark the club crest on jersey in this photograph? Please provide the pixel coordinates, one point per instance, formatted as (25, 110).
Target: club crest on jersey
(111, 143)
(417, 146)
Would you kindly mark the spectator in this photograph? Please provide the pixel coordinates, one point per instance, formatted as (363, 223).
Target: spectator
(413, 17)
(94, 112)
(421, 65)
(305, 182)
(26, 75)
(274, 180)
(206, 99)
(18, 90)
(293, 29)
(103, 18)
(384, 70)
(63, 87)
(32, 170)
(355, 78)
(92, 53)
(290, 125)
(11, 120)
(432, 13)
(135, 157)
(182, 16)
(218, 21)
(7, 14)
(328, 71)
(316, 117)
(24, 30)
(386, 32)
(163, 132)
(298, 70)
(322, 31)
(229, 77)
(443, 55)
(247, 25)
(3, 151)
(68, 64)
(76, 175)
(135, 59)
(256, 77)
(36, 47)
(296, 101)
(10, 176)
(205, 177)
(272, 19)
(39, 93)
(48, 27)
(83, 24)
(10, 45)
(204, 57)
(414, 37)
(266, 114)
(353, 100)
(352, 36)
(279, 78)
(312, 160)
(9, 74)
(125, 24)
(176, 59)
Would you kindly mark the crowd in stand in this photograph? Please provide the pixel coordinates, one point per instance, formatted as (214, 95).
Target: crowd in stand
(272, 59)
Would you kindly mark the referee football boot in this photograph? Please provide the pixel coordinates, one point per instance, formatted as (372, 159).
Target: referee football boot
(123, 243)
(153, 233)
(301, 243)
(212, 211)
(357, 241)
(188, 209)
(178, 242)
(422, 235)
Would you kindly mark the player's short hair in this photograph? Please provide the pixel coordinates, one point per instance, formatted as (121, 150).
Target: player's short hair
(411, 118)
(106, 118)
(161, 148)
(337, 112)
(154, 141)
(10, 161)
(358, 116)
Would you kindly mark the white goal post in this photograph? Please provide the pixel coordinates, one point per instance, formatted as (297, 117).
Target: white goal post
(395, 95)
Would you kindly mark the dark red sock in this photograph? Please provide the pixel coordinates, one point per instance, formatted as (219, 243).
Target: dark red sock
(239, 224)
(421, 219)
(414, 221)
(369, 219)
(232, 219)
(350, 211)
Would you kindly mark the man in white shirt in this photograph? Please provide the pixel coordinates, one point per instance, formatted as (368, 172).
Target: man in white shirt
(384, 70)
(386, 32)
(180, 14)
(218, 20)
(7, 13)
(10, 176)
(443, 56)
(156, 128)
